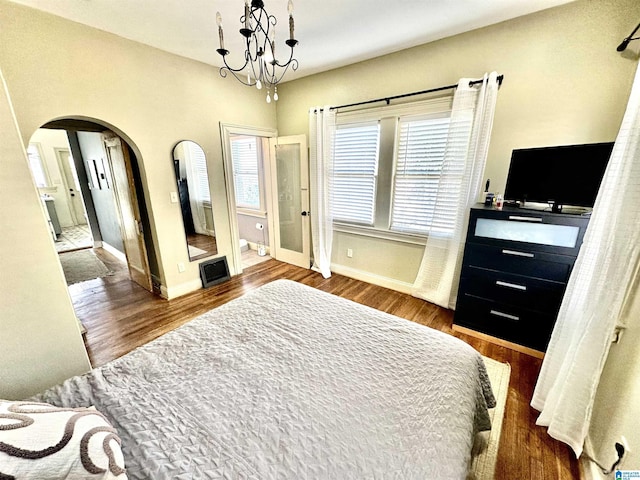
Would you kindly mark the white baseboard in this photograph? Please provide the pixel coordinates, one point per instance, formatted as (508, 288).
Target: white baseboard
(254, 246)
(115, 252)
(390, 283)
(182, 289)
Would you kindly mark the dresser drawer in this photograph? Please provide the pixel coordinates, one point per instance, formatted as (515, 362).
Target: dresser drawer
(525, 327)
(516, 290)
(519, 261)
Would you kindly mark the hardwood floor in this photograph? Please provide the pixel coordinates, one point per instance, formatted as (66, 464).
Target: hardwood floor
(121, 316)
(203, 242)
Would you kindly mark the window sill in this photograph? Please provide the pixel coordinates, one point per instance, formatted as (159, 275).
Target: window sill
(252, 213)
(378, 233)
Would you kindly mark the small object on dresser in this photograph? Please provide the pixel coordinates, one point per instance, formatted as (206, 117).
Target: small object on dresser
(499, 201)
(488, 199)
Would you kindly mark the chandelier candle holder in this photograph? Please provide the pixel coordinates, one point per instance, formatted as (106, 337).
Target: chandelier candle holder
(261, 67)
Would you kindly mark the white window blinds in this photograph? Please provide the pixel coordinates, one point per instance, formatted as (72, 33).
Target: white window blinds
(355, 173)
(419, 157)
(244, 155)
(199, 166)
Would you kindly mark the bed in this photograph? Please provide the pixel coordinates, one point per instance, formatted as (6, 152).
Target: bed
(289, 382)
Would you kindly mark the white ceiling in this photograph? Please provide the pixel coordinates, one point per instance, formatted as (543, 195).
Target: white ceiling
(332, 33)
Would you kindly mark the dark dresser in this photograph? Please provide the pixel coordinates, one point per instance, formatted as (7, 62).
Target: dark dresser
(515, 270)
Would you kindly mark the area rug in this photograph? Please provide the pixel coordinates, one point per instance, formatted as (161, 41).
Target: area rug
(484, 464)
(82, 265)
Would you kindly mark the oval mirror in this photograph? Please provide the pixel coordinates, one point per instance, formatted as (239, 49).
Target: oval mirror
(190, 167)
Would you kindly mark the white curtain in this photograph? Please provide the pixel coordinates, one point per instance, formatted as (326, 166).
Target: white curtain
(458, 189)
(596, 293)
(322, 126)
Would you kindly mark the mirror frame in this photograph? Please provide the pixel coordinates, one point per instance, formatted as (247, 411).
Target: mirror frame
(189, 164)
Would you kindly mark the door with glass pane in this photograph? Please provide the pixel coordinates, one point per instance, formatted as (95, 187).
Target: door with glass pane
(290, 198)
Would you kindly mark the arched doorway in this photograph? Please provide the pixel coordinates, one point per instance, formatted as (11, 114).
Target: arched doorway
(90, 181)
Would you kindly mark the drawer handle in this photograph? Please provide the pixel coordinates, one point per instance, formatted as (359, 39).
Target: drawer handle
(518, 254)
(525, 219)
(505, 315)
(511, 285)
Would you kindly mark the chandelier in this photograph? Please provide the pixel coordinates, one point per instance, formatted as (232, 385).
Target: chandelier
(261, 67)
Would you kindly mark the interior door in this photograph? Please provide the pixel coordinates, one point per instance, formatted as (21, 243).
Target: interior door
(74, 194)
(290, 200)
(128, 211)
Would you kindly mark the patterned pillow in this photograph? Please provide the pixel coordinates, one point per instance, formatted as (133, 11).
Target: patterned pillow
(40, 441)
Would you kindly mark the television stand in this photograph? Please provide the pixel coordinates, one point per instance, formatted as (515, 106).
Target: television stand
(515, 269)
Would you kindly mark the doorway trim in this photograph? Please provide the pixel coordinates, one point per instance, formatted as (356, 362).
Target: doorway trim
(226, 131)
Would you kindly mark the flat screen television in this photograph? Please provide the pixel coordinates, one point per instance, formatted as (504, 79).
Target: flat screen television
(558, 176)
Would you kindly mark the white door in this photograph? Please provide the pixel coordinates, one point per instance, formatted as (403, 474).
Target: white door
(290, 200)
(72, 185)
(128, 211)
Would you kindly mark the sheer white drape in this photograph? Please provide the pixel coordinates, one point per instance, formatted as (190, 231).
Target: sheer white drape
(459, 186)
(322, 126)
(596, 292)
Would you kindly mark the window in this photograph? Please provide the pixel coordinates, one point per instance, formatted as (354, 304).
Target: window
(387, 167)
(198, 163)
(419, 155)
(37, 166)
(245, 156)
(355, 173)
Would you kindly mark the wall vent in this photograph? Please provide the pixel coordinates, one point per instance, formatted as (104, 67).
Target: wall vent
(214, 271)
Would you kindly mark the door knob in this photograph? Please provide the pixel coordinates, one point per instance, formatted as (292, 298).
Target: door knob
(304, 214)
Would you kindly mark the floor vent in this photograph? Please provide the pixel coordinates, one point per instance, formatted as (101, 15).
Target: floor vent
(214, 271)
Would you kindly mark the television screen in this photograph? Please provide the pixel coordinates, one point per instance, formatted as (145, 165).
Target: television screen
(563, 175)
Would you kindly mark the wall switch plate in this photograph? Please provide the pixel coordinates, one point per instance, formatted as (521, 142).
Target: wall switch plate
(180, 267)
(174, 197)
(349, 253)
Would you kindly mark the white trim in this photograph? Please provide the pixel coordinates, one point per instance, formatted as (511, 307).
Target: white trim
(434, 105)
(252, 213)
(380, 233)
(390, 283)
(226, 130)
(114, 251)
(254, 246)
(180, 290)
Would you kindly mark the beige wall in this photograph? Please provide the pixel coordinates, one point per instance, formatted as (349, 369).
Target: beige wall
(40, 341)
(53, 69)
(56, 68)
(564, 83)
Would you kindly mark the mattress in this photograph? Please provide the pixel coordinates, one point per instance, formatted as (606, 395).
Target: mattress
(289, 382)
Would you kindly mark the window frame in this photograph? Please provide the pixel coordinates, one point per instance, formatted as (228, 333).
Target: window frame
(42, 165)
(244, 209)
(389, 118)
(367, 175)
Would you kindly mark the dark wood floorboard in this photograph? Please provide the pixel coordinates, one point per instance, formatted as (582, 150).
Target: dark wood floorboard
(120, 316)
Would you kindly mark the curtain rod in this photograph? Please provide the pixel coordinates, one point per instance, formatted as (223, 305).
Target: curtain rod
(395, 97)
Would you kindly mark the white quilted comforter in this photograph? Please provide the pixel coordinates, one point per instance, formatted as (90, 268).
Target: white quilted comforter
(289, 382)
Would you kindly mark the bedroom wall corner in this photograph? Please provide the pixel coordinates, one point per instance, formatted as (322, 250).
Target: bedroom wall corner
(616, 408)
(41, 343)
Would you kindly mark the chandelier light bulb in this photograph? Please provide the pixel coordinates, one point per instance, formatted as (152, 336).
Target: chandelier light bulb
(260, 64)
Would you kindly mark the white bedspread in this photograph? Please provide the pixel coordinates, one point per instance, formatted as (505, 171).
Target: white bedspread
(289, 382)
